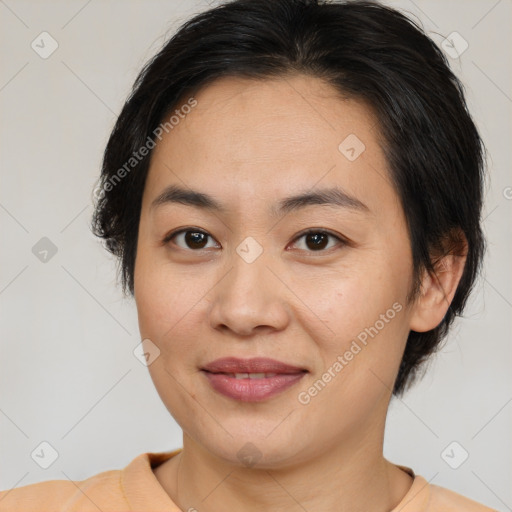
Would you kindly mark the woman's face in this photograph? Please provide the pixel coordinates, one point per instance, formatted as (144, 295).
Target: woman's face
(244, 281)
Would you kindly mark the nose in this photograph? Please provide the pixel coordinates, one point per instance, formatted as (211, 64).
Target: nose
(250, 299)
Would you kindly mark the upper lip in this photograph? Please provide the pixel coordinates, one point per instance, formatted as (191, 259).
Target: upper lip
(253, 365)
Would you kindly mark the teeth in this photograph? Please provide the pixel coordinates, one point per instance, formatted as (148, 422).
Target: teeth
(252, 375)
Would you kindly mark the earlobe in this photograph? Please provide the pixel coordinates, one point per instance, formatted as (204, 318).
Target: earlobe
(437, 291)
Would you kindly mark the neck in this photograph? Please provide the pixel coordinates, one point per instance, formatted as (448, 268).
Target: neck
(351, 476)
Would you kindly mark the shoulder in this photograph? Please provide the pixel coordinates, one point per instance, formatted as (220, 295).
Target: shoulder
(425, 497)
(66, 495)
(131, 488)
(442, 499)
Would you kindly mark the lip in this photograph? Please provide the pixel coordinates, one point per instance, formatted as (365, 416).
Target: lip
(220, 375)
(253, 365)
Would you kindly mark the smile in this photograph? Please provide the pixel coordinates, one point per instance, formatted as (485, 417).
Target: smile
(252, 387)
(251, 380)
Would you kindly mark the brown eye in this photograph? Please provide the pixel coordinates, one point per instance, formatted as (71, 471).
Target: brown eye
(189, 238)
(318, 241)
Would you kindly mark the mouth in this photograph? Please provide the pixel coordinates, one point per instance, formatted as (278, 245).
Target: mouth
(251, 380)
(248, 375)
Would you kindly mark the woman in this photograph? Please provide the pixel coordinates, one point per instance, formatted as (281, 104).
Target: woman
(294, 191)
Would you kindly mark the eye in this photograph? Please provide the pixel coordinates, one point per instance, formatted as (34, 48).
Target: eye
(194, 239)
(317, 240)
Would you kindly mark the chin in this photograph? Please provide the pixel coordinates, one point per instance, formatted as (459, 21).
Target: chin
(256, 451)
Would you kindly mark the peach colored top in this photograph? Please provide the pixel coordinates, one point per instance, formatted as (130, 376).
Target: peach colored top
(136, 488)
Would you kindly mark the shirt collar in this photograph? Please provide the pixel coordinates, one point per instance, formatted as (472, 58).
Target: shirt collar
(140, 485)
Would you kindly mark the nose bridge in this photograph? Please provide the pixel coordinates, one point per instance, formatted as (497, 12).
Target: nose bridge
(249, 295)
(248, 278)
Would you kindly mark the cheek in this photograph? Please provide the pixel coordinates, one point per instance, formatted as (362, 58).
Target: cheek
(172, 306)
(366, 324)
(165, 302)
(348, 302)
(161, 295)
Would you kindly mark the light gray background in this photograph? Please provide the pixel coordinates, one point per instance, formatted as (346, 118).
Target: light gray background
(68, 375)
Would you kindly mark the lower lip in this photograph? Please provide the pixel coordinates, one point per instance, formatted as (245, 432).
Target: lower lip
(252, 390)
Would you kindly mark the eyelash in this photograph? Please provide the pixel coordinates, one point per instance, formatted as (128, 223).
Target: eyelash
(342, 241)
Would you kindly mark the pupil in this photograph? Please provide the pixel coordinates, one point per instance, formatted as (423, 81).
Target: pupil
(194, 238)
(317, 243)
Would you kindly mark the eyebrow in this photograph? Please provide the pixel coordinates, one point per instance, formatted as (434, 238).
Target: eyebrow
(333, 196)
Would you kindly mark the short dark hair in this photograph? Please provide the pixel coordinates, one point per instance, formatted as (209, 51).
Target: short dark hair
(366, 51)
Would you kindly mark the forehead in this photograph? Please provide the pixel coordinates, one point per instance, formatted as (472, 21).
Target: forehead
(295, 113)
(260, 138)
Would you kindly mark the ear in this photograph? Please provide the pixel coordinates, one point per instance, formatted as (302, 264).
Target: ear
(438, 287)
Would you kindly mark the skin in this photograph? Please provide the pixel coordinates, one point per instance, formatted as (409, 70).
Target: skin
(249, 144)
